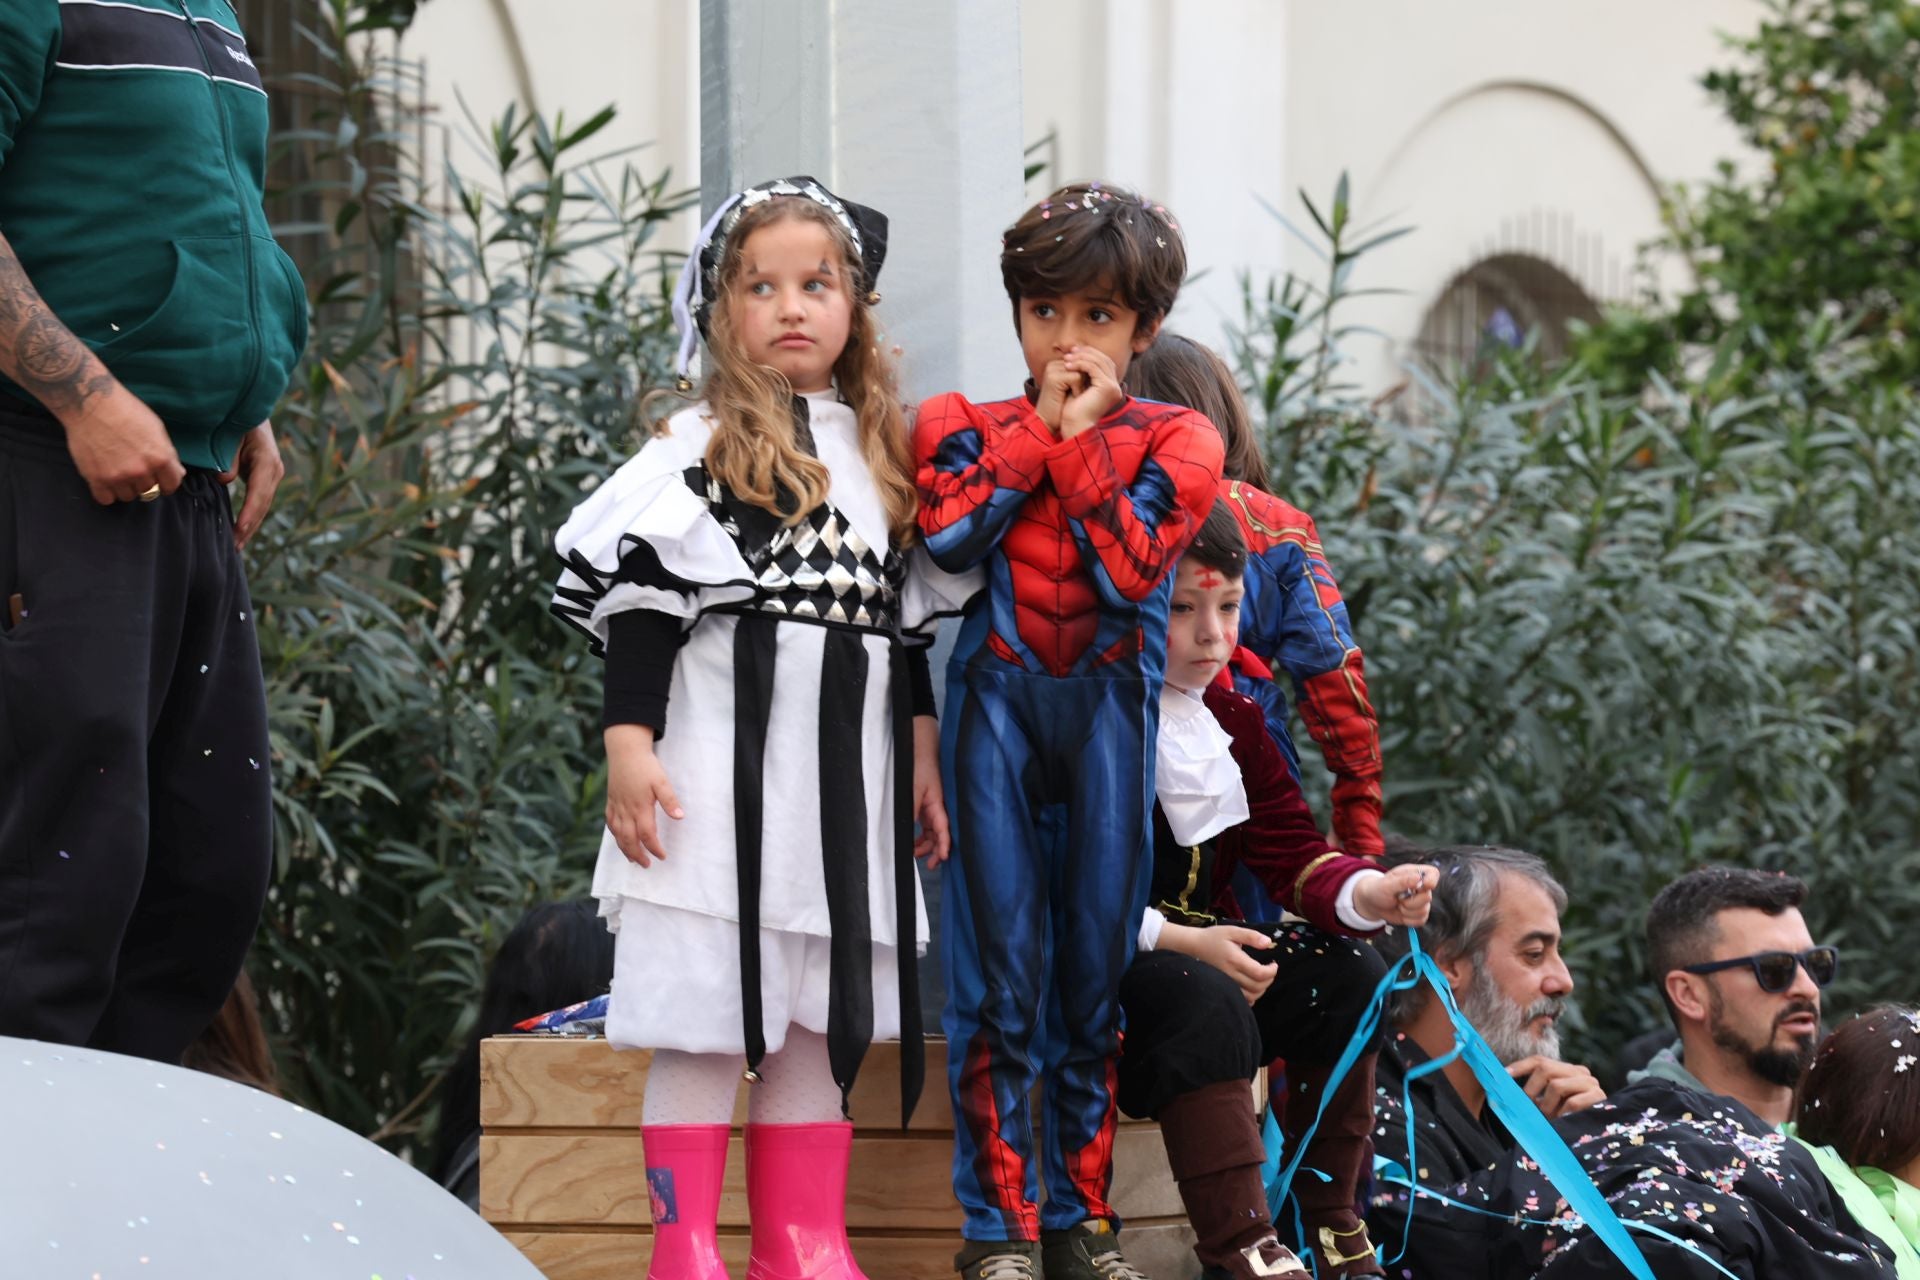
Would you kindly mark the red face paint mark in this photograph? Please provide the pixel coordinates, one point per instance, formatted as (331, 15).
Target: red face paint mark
(1210, 578)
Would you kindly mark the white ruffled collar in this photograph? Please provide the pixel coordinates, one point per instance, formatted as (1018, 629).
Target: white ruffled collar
(1196, 779)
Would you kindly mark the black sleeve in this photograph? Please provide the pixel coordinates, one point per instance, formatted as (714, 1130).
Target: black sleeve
(920, 676)
(641, 645)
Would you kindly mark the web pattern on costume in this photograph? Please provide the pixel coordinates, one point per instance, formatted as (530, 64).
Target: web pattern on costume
(820, 568)
(1079, 536)
(1294, 619)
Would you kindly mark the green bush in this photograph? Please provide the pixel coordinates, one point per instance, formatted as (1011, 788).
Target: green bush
(476, 357)
(1635, 632)
(1811, 246)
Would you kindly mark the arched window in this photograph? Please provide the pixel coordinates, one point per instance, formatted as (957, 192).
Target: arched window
(1497, 302)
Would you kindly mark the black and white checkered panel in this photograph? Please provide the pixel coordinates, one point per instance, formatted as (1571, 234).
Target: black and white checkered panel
(823, 568)
(820, 568)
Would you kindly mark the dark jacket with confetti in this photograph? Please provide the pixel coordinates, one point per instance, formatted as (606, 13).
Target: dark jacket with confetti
(1450, 1146)
(1700, 1168)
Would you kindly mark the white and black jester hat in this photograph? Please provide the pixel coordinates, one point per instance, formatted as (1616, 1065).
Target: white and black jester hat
(693, 295)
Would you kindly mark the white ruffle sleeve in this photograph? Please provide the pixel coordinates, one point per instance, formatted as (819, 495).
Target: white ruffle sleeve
(931, 593)
(645, 540)
(1195, 776)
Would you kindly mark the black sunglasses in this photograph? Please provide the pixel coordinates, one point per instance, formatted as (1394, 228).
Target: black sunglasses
(1774, 970)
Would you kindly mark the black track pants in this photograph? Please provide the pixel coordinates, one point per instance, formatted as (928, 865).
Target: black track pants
(135, 798)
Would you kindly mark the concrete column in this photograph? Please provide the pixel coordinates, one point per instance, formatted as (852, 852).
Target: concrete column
(766, 93)
(911, 108)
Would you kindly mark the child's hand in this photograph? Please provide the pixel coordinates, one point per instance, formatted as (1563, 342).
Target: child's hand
(1401, 896)
(1224, 946)
(636, 783)
(929, 805)
(1057, 384)
(1098, 393)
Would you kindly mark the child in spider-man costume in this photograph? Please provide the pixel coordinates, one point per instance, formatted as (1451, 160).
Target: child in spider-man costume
(1294, 621)
(1076, 500)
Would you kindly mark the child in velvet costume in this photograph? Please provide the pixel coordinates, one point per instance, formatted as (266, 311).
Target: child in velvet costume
(1197, 1032)
(1294, 619)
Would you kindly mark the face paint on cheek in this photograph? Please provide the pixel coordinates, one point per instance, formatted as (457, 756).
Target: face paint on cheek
(1210, 578)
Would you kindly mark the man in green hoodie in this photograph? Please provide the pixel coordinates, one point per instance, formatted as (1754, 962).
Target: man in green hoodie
(148, 324)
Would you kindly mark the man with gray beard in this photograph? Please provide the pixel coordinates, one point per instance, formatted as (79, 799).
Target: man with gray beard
(1494, 930)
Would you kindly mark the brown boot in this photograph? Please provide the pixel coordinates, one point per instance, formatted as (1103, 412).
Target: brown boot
(1342, 1148)
(1214, 1150)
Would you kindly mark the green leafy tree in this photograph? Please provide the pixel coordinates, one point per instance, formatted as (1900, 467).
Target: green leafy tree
(1810, 245)
(1634, 630)
(478, 349)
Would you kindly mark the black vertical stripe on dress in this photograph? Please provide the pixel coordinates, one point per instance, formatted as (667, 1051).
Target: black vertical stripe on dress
(844, 854)
(913, 1054)
(755, 639)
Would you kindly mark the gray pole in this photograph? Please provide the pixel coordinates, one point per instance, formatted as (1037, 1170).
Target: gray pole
(766, 93)
(913, 108)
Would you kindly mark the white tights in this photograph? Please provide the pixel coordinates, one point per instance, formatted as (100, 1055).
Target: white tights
(796, 1085)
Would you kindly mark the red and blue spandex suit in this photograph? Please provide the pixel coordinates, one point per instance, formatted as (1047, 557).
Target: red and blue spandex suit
(1294, 620)
(1047, 751)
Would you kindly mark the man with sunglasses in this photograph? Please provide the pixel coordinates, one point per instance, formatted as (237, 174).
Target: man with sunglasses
(1741, 978)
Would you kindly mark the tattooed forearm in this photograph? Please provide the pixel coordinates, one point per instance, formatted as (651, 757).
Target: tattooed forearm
(37, 351)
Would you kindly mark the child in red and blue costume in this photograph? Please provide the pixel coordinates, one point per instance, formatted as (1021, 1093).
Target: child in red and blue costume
(1294, 621)
(1075, 500)
(1197, 1032)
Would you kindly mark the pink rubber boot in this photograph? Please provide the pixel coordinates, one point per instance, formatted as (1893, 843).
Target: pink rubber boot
(797, 1199)
(685, 1164)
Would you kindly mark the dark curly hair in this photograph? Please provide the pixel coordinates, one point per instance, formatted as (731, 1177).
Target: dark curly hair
(1220, 545)
(1091, 234)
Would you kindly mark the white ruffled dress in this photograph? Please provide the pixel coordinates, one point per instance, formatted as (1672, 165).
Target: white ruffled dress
(677, 982)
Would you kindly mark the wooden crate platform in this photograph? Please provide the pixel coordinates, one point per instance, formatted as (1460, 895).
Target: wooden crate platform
(561, 1168)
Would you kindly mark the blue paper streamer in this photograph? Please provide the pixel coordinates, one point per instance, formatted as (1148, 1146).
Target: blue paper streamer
(1530, 1129)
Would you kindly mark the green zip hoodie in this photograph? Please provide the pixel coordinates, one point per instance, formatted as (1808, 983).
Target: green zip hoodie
(133, 140)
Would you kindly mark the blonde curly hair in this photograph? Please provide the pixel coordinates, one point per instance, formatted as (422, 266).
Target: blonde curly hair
(754, 451)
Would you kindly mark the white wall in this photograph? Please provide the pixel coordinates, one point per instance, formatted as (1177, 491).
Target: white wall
(1182, 99)
(1501, 123)
(1485, 123)
(572, 57)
